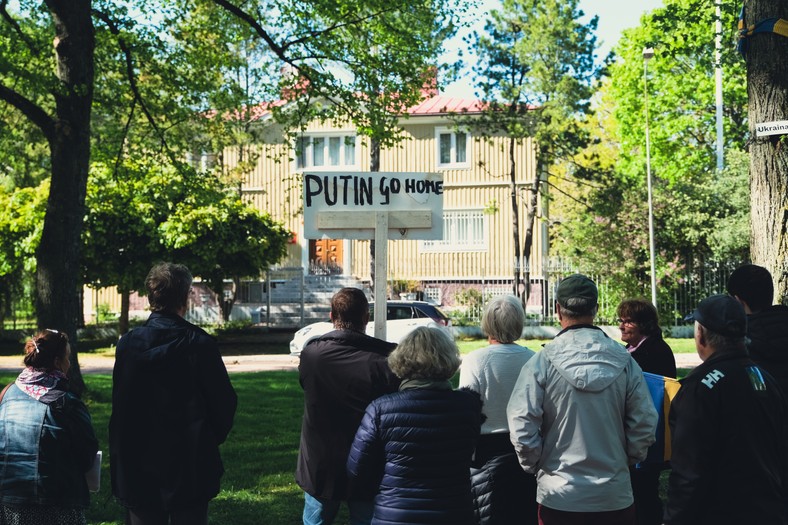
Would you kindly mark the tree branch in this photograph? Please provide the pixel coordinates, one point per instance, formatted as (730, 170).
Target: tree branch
(334, 27)
(115, 30)
(249, 19)
(29, 109)
(578, 181)
(15, 26)
(572, 197)
(123, 138)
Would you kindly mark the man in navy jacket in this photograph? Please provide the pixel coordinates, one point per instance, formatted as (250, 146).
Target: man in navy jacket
(341, 372)
(172, 406)
(729, 428)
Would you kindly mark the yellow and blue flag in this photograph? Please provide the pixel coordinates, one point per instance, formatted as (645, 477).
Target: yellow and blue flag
(663, 390)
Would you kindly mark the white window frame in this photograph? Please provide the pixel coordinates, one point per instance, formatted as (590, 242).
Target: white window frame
(457, 224)
(348, 151)
(455, 147)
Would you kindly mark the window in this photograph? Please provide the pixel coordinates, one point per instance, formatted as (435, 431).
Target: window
(325, 152)
(463, 231)
(452, 148)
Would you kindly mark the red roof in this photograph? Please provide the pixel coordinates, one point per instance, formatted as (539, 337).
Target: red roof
(443, 104)
(436, 105)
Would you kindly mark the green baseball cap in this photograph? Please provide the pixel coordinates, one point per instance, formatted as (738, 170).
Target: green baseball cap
(576, 286)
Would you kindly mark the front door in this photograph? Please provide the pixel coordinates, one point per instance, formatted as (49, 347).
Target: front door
(325, 256)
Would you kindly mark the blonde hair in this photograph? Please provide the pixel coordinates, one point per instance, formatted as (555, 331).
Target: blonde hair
(425, 353)
(503, 319)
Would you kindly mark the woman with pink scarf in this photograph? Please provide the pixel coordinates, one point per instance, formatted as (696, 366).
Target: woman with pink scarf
(48, 443)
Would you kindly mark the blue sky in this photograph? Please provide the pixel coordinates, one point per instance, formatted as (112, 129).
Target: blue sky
(614, 17)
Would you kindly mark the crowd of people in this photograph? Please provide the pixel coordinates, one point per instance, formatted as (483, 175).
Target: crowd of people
(558, 436)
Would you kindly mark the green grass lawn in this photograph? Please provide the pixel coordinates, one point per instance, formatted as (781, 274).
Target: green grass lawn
(259, 455)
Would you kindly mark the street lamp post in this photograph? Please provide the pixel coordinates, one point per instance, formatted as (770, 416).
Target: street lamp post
(648, 53)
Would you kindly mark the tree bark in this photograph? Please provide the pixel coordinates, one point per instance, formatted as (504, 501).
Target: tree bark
(125, 304)
(767, 87)
(374, 166)
(57, 276)
(528, 228)
(515, 219)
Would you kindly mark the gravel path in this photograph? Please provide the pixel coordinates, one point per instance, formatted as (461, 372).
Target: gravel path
(92, 364)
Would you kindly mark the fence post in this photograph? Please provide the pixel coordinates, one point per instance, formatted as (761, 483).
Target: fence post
(268, 298)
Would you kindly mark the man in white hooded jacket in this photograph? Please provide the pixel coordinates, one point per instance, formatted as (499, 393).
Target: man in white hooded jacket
(579, 415)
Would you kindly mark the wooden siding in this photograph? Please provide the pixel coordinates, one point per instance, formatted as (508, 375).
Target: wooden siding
(272, 187)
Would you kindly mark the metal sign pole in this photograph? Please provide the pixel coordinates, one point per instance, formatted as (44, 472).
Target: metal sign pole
(381, 269)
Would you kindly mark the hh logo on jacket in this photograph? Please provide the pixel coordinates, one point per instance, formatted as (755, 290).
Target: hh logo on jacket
(712, 377)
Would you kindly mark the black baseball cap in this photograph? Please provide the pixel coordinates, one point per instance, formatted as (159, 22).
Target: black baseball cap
(722, 314)
(577, 286)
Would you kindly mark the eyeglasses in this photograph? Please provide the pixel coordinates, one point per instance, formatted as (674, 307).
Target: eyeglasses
(628, 322)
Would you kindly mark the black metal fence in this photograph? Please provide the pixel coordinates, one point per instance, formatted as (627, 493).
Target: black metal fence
(291, 297)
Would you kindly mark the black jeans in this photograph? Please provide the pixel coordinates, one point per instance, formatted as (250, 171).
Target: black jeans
(197, 515)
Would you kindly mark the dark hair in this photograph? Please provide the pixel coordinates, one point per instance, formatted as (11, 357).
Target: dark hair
(753, 285)
(168, 287)
(350, 309)
(44, 347)
(642, 313)
(578, 307)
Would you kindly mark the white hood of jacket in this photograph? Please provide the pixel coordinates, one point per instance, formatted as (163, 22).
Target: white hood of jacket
(587, 358)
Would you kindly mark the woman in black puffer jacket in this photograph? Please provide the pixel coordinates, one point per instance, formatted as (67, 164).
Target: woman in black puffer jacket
(414, 447)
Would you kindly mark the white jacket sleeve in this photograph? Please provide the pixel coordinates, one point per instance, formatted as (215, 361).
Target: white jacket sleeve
(640, 420)
(469, 373)
(524, 413)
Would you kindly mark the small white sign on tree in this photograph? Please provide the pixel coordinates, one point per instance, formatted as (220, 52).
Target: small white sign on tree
(374, 205)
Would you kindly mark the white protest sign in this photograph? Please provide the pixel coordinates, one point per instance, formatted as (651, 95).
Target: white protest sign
(344, 205)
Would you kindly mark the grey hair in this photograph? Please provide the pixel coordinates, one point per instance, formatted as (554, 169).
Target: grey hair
(723, 343)
(425, 353)
(503, 319)
(577, 307)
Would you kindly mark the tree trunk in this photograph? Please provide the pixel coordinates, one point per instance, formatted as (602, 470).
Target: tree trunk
(226, 304)
(57, 277)
(125, 304)
(374, 166)
(515, 218)
(528, 227)
(767, 87)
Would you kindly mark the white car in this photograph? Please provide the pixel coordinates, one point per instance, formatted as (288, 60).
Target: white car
(402, 317)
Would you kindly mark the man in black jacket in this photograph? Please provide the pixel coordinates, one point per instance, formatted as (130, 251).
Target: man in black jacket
(341, 373)
(767, 324)
(729, 425)
(172, 406)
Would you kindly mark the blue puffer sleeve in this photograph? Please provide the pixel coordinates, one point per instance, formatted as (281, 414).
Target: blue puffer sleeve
(366, 460)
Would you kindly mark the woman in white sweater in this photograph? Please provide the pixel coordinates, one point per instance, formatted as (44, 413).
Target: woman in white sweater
(503, 492)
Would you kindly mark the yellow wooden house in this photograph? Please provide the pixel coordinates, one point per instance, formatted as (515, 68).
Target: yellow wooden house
(477, 248)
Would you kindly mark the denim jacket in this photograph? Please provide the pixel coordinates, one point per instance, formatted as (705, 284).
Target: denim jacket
(45, 450)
